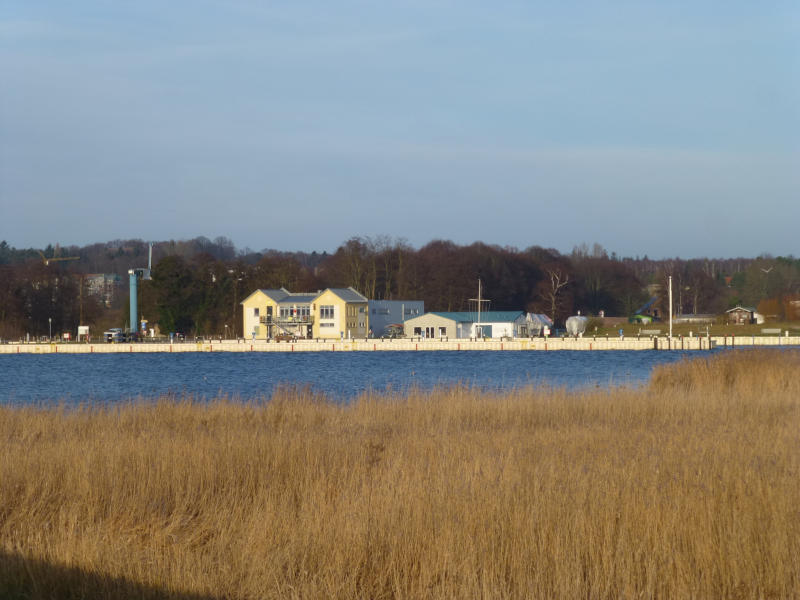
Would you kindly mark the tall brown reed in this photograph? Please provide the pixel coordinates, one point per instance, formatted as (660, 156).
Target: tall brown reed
(687, 488)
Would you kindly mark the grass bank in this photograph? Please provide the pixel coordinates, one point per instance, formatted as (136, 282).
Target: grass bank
(687, 488)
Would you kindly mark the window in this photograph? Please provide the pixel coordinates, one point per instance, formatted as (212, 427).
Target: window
(382, 311)
(326, 324)
(255, 312)
(326, 311)
(362, 310)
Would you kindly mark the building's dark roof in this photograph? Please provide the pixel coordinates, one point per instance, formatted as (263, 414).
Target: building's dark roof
(489, 316)
(299, 298)
(274, 295)
(541, 318)
(745, 308)
(346, 294)
(395, 302)
(284, 296)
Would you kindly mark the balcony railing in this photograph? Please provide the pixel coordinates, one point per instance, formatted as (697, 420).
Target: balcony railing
(289, 320)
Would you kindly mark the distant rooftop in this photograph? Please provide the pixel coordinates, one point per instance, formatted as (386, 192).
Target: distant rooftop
(299, 297)
(747, 308)
(489, 316)
(348, 294)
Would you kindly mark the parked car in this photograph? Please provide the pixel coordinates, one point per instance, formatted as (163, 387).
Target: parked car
(114, 335)
(394, 331)
(285, 337)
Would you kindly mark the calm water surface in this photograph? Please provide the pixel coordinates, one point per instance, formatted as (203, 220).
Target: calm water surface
(341, 376)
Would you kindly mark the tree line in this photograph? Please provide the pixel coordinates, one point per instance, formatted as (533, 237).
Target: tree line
(197, 284)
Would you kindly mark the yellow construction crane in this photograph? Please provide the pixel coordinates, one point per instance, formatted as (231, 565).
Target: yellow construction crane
(47, 260)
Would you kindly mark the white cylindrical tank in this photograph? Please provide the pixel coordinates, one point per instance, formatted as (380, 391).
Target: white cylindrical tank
(576, 325)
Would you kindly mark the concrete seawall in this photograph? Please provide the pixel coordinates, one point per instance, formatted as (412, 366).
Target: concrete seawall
(540, 344)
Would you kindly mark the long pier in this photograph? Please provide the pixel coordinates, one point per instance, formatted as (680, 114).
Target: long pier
(408, 345)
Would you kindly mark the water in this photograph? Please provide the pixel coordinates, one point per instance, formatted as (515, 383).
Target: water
(27, 378)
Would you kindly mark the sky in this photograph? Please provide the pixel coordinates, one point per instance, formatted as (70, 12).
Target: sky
(652, 128)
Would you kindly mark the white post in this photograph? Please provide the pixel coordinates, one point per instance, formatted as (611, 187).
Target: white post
(670, 307)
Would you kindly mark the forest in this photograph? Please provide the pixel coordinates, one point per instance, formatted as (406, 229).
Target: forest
(197, 284)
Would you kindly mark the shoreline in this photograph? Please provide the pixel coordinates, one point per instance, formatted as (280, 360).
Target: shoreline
(403, 345)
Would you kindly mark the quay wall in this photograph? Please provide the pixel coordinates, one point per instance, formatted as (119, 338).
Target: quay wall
(411, 345)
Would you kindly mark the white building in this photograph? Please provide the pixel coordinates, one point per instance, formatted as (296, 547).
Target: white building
(464, 325)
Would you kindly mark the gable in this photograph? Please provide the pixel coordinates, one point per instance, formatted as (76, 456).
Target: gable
(347, 295)
(432, 318)
(266, 295)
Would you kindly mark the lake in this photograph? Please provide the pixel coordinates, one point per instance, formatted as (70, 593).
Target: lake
(341, 376)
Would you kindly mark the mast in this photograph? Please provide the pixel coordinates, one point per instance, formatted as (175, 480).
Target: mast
(479, 300)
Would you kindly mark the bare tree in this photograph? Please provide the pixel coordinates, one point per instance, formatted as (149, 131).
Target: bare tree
(552, 292)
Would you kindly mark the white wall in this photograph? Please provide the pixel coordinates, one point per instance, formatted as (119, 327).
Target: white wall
(498, 329)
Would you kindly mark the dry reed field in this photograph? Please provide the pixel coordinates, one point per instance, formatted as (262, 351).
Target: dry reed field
(686, 488)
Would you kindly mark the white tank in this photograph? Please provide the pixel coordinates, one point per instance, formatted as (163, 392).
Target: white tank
(576, 325)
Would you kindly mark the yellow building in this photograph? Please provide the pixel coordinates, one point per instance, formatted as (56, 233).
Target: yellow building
(340, 313)
(272, 313)
(336, 313)
(255, 310)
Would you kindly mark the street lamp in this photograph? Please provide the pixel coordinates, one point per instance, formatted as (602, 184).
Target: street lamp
(50, 329)
(226, 331)
(236, 277)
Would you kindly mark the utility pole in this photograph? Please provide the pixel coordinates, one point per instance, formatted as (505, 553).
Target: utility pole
(80, 299)
(670, 307)
(236, 278)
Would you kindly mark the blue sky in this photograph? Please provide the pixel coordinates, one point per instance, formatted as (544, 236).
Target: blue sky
(667, 129)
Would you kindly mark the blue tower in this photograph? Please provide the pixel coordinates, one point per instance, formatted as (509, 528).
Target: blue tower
(135, 275)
